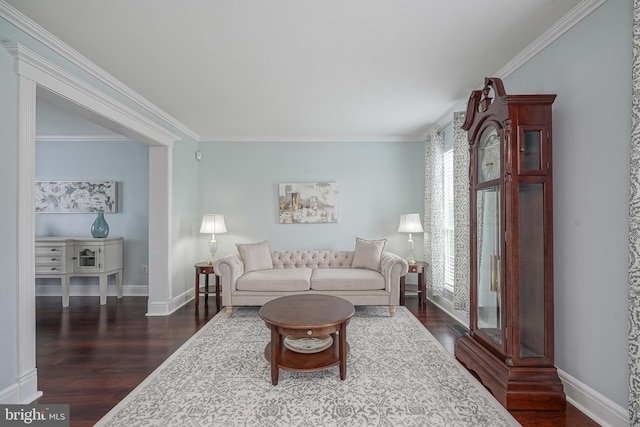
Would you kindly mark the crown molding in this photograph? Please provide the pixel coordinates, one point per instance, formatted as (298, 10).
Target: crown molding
(567, 22)
(82, 138)
(58, 80)
(31, 28)
(570, 20)
(312, 139)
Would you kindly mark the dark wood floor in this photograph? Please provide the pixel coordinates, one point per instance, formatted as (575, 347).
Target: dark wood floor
(91, 356)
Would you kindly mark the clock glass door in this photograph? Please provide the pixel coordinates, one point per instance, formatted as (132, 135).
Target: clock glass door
(489, 155)
(531, 267)
(489, 270)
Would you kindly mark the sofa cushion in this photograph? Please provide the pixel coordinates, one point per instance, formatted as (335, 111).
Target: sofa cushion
(277, 279)
(256, 256)
(368, 253)
(346, 279)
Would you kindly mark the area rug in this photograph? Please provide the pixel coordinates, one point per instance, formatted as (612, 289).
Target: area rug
(397, 375)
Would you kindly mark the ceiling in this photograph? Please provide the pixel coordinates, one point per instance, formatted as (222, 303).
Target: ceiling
(296, 70)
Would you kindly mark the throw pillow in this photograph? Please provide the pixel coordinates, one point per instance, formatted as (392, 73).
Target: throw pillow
(368, 253)
(256, 256)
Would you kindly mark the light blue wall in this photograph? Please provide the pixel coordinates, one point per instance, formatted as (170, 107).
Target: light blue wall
(185, 213)
(590, 70)
(378, 181)
(126, 162)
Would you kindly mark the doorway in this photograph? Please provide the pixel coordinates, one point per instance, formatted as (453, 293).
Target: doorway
(39, 78)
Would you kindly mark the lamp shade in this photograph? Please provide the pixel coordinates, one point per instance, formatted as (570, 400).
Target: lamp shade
(213, 224)
(410, 223)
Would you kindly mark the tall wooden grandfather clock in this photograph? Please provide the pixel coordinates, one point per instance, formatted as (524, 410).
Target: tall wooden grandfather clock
(510, 342)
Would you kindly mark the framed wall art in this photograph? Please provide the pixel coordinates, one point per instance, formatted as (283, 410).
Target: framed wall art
(76, 196)
(308, 202)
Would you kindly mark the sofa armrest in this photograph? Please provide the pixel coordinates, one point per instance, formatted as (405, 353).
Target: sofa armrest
(229, 269)
(392, 267)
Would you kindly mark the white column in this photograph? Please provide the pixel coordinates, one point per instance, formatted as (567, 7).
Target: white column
(27, 372)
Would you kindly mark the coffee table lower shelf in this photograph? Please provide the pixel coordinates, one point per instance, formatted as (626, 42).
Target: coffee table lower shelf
(307, 362)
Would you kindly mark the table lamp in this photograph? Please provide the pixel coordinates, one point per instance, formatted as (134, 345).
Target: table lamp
(212, 224)
(410, 223)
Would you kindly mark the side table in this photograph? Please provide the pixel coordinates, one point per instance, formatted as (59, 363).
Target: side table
(206, 269)
(419, 267)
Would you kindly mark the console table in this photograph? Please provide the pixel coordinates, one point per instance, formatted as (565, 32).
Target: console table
(66, 257)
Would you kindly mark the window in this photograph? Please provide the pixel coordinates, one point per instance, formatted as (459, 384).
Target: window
(449, 238)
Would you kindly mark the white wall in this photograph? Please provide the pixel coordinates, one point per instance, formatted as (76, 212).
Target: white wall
(126, 162)
(378, 181)
(590, 70)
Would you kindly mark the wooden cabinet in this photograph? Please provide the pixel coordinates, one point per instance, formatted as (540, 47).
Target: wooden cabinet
(510, 343)
(65, 257)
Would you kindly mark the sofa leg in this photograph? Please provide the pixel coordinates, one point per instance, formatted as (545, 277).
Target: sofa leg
(229, 311)
(392, 310)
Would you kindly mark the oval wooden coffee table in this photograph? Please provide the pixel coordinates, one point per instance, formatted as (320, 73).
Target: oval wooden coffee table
(307, 316)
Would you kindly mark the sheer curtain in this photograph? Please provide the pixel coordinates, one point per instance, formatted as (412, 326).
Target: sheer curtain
(634, 229)
(461, 213)
(434, 237)
(434, 212)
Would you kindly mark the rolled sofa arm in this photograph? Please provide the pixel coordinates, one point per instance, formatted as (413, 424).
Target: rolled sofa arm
(229, 269)
(392, 267)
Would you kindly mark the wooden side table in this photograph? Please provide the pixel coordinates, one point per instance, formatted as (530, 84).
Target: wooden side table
(206, 269)
(419, 267)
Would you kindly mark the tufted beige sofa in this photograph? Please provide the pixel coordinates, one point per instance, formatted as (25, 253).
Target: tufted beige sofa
(320, 272)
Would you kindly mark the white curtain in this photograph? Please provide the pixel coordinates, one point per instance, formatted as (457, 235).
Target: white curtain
(434, 212)
(634, 230)
(461, 213)
(434, 236)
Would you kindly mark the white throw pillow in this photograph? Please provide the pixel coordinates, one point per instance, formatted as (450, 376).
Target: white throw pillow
(368, 253)
(256, 256)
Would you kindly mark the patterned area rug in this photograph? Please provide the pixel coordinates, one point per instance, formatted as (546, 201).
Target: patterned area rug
(397, 375)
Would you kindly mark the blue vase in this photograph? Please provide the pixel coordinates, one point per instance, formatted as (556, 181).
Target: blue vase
(100, 228)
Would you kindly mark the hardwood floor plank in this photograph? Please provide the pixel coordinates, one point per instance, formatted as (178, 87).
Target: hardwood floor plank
(91, 356)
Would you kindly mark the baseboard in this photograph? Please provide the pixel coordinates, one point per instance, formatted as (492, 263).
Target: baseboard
(10, 395)
(446, 306)
(596, 406)
(91, 290)
(23, 392)
(166, 308)
(181, 300)
(593, 404)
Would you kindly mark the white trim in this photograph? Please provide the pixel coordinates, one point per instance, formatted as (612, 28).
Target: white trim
(593, 404)
(81, 138)
(570, 20)
(62, 83)
(312, 139)
(36, 74)
(160, 229)
(34, 30)
(10, 395)
(181, 300)
(567, 22)
(171, 306)
(446, 306)
(27, 377)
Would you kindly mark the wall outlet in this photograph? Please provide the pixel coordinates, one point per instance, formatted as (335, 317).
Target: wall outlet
(145, 269)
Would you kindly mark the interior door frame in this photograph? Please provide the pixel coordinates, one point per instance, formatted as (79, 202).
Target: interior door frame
(39, 77)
